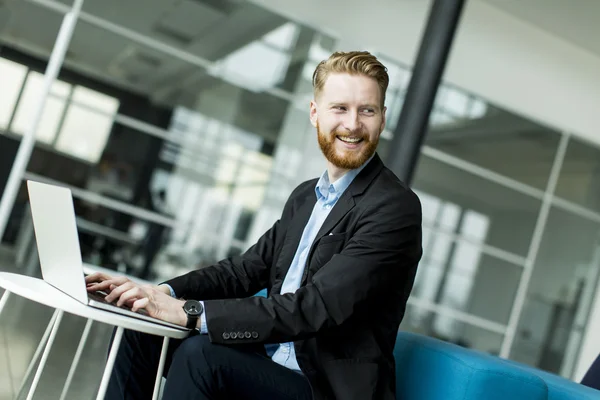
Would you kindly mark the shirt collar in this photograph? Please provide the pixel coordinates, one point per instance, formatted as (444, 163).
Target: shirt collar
(332, 191)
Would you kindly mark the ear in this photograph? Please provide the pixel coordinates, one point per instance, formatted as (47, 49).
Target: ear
(383, 120)
(313, 113)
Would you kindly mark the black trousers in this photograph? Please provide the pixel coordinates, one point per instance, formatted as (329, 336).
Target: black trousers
(196, 369)
(592, 376)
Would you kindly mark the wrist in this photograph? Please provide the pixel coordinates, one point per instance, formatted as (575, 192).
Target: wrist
(165, 289)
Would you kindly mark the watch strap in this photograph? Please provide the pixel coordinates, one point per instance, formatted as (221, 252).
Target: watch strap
(192, 321)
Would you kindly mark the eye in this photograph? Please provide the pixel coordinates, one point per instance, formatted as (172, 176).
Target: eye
(368, 110)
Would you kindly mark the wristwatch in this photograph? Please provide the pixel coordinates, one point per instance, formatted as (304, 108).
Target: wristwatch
(193, 309)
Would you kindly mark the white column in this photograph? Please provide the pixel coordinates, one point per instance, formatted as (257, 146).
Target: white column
(28, 141)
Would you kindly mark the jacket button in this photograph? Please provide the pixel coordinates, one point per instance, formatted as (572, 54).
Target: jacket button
(255, 335)
(233, 335)
(226, 336)
(247, 335)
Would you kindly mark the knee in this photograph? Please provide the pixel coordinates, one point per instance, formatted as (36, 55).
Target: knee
(195, 349)
(194, 346)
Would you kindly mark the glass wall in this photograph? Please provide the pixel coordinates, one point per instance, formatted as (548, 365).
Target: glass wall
(183, 127)
(511, 235)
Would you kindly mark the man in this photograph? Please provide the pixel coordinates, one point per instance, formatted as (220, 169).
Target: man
(338, 266)
(592, 376)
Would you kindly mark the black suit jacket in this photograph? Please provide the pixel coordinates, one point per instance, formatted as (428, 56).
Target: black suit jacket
(345, 316)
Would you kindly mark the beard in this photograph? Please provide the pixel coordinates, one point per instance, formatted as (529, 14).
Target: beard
(350, 159)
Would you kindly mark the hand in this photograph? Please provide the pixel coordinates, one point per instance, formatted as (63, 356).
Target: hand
(155, 300)
(102, 282)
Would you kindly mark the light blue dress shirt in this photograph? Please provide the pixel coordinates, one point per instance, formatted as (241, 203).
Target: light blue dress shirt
(327, 196)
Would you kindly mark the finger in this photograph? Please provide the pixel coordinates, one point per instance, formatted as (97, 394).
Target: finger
(133, 293)
(115, 290)
(129, 303)
(103, 280)
(103, 286)
(118, 291)
(119, 280)
(100, 277)
(143, 303)
(109, 284)
(96, 277)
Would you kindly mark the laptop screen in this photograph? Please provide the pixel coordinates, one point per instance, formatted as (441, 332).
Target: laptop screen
(57, 239)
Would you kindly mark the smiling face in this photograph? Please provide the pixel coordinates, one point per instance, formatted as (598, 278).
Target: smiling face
(349, 116)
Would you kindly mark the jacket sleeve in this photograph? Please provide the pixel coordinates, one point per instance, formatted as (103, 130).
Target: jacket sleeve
(386, 243)
(239, 276)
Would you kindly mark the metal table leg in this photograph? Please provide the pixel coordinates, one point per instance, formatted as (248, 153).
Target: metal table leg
(40, 368)
(161, 367)
(37, 353)
(82, 341)
(4, 300)
(114, 349)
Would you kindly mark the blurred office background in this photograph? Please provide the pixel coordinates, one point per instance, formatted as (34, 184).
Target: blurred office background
(182, 126)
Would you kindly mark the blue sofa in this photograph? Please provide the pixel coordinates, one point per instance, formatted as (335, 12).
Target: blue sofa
(430, 369)
(560, 388)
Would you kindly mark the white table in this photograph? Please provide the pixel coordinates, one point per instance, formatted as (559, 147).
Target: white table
(41, 292)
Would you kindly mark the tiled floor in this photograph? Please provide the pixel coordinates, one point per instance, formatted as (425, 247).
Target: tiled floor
(22, 325)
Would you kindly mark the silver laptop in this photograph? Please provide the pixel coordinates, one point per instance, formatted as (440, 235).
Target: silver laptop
(57, 240)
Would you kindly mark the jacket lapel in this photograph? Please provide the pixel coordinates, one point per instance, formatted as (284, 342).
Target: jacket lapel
(294, 234)
(345, 203)
(341, 208)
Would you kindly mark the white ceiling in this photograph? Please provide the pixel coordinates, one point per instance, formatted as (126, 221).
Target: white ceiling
(576, 21)
(206, 29)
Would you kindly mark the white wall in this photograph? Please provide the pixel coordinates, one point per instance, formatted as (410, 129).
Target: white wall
(510, 63)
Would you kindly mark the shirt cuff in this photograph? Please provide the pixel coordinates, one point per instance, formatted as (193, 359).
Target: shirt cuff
(170, 289)
(203, 327)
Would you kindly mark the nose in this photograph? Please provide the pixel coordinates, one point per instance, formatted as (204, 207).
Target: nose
(352, 122)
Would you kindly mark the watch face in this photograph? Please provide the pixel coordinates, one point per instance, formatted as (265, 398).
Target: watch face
(193, 307)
